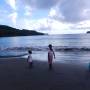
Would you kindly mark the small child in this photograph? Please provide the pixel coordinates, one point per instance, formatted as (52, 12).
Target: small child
(51, 54)
(30, 59)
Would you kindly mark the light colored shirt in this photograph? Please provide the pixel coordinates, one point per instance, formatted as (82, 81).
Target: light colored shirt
(30, 58)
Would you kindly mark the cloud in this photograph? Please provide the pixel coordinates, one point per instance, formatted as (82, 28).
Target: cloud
(40, 4)
(84, 25)
(13, 17)
(52, 26)
(35, 24)
(46, 25)
(86, 14)
(73, 10)
(12, 3)
(56, 14)
(28, 11)
(62, 14)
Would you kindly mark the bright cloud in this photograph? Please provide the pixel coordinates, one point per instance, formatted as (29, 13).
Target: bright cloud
(47, 25)
(13, 17)
(52, 13)
(83, 25)
(12, 3)
(55, 14)
(28, 11)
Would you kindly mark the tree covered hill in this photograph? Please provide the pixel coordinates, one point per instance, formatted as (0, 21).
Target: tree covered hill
(6, 31)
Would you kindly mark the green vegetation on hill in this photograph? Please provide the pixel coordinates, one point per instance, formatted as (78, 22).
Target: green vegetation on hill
(6, 31)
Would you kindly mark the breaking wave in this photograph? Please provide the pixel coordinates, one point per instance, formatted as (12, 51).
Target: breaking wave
(22, 51)
(56, 48)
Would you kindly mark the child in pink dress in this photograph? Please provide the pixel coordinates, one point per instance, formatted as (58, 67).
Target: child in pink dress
(30, 59)
(51, 54)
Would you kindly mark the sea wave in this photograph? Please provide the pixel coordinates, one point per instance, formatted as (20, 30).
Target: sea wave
(23, 51)
(73, 49)
(56, 48)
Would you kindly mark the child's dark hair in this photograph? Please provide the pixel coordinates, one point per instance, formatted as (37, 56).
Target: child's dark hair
(29, 51)
(50, 46)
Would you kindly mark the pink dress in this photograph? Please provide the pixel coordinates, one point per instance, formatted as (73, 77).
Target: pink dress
(50, 56)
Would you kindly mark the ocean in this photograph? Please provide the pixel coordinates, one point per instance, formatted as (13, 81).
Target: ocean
(69, 48)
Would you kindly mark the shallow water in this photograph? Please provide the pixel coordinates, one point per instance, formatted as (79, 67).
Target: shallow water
(69, 48)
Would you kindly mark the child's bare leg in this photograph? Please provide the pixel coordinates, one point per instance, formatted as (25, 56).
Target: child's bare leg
(30, 65)
(50, 66)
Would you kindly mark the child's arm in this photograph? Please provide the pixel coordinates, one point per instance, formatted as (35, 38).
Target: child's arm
(48, 55)
(54, 54)
(27, 58)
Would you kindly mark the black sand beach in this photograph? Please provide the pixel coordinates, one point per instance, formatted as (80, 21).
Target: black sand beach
(15, 75)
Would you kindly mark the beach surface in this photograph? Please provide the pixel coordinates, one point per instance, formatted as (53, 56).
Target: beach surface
(15, 75)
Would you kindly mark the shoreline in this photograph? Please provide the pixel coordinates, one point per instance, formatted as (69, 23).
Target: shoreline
(15, 75)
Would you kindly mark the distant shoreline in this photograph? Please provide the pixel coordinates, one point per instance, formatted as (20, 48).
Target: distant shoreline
(21, 36)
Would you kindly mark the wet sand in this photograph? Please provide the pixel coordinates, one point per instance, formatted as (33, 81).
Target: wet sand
(15, 75)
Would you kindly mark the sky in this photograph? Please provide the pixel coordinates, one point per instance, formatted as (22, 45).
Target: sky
(49, 16)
